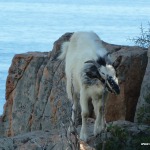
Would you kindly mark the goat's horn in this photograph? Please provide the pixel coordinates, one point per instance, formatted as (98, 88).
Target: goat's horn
(90, 61)
(93, 62)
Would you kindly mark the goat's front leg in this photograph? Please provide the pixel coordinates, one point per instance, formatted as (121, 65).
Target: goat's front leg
(99, 123)
(84, 114)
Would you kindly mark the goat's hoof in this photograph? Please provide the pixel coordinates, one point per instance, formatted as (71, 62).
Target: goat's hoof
(84, 137)
(97, 132)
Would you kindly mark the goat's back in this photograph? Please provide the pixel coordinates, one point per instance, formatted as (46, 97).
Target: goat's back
(83, 46)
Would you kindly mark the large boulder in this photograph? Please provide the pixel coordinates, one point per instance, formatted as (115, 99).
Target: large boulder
(35, 92)
(130, 73)
(142, 114)
(36, 98)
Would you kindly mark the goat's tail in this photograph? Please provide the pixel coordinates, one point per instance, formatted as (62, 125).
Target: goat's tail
(64, 49)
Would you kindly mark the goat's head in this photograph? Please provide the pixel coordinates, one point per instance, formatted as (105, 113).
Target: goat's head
(105, 72)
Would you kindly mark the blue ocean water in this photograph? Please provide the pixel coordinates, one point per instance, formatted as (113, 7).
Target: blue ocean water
(33, 25)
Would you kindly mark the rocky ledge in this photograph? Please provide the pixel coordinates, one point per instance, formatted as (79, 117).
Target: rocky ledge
(36, 101)
(119, 135)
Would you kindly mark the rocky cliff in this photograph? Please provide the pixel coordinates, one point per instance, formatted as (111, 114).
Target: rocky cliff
(36, 97)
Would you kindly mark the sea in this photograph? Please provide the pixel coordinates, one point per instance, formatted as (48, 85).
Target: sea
(34, 25)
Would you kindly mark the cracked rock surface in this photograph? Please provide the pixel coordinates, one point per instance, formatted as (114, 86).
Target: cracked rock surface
(36, 96)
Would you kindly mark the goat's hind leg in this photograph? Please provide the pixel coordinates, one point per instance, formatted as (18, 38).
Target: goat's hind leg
(73, 111)
(84, 114)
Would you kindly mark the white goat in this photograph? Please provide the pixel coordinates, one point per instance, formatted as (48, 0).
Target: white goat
(87, 69)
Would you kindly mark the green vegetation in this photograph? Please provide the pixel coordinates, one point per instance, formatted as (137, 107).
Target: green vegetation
(147, 97)
(143, 114)
(123, 140)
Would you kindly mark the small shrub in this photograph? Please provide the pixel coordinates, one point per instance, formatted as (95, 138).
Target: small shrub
(118, 138)
(143, 40)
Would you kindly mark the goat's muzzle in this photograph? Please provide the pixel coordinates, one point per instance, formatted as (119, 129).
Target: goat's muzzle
(112, 86)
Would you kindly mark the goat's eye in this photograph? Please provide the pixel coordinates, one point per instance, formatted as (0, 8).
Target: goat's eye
(103, 73)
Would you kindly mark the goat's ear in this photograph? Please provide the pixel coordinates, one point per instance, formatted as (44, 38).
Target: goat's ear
(93, 72)
(117, 62)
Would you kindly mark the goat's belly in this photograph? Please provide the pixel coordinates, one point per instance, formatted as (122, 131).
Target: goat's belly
(94, 90)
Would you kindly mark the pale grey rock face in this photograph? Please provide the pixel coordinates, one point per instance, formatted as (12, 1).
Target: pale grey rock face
(142, 114)
(36, 95)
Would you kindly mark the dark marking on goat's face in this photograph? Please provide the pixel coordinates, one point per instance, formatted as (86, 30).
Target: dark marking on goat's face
(105, 73)
(108, 73)
(114, 86)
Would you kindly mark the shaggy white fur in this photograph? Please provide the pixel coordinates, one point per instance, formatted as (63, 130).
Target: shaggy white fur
(83, 75)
